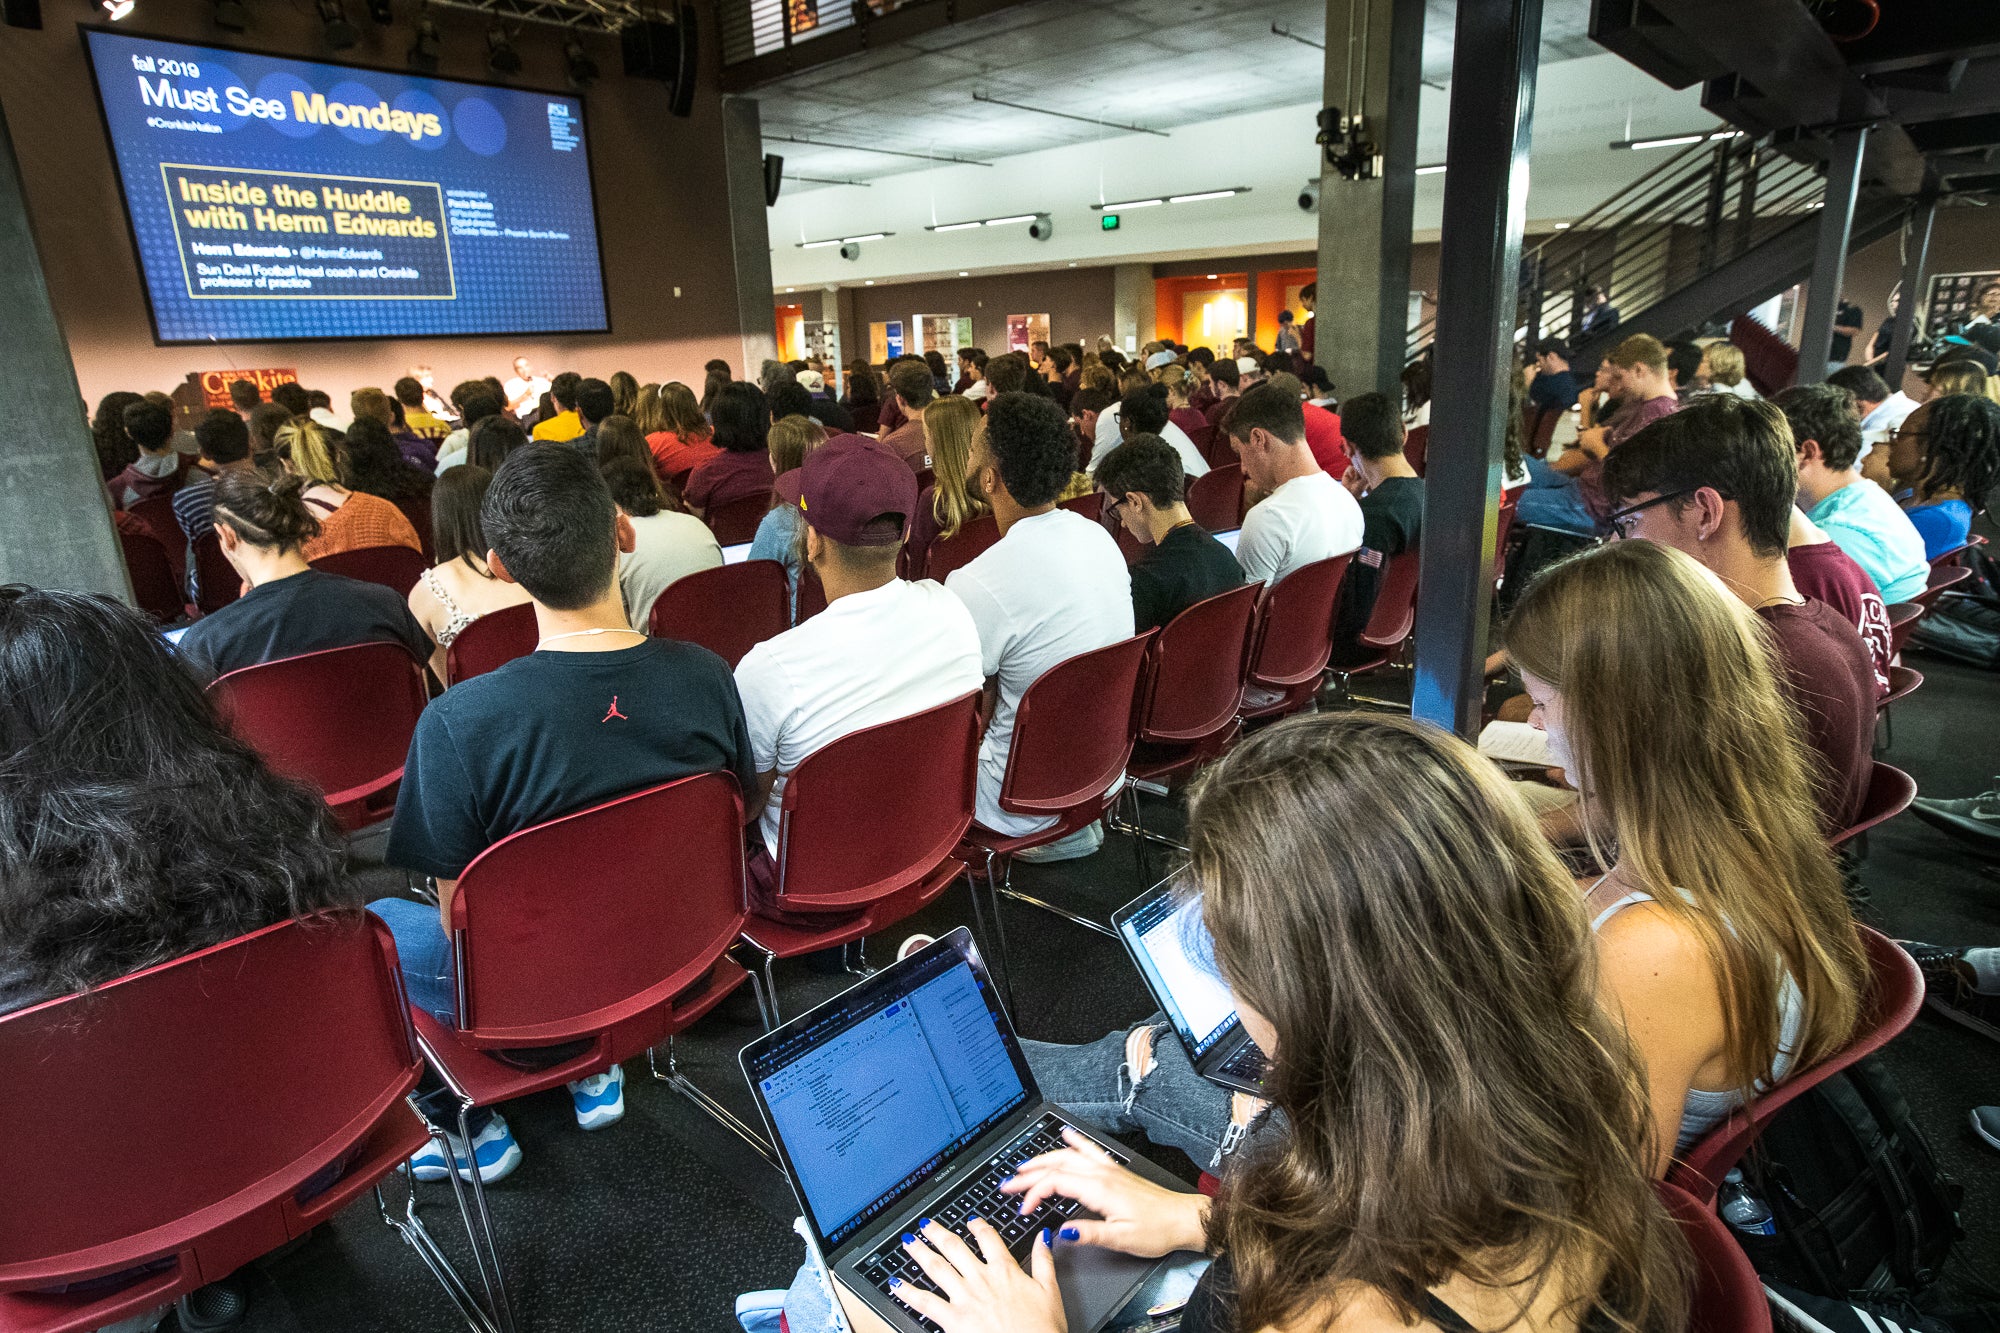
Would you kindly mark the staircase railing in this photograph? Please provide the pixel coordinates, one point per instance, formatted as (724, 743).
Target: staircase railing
(1704, 207)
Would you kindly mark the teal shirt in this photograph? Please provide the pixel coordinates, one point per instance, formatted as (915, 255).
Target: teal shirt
(1878, 536)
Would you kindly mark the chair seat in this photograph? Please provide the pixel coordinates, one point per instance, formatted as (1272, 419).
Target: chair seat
(783, 939)
(1261, 702)
(1154, 761)
(488, 1080)
(982, 840)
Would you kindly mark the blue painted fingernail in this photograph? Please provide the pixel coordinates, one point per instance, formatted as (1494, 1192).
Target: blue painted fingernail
(895, 1282)
(1045, 1235)
(923, 1222)
(1070, 1233)
(909, 1239)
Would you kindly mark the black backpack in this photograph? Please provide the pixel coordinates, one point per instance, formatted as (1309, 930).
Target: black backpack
(1964, 624)
(1860, 1207)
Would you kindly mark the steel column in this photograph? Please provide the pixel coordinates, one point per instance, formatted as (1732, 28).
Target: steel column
(1836, 225)
(1494, 64)
(1916, 256)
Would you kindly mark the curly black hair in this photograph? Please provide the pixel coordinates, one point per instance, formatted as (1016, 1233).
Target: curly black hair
(1963, 450)
(1032, 445)
(133, 827)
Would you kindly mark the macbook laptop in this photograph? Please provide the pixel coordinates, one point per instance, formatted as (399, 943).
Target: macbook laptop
(736, 555)
(1164, 933)
(907, 1097)
(1229, 538)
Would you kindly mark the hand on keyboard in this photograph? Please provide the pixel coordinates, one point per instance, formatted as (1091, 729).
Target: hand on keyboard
(977, 1287)
(1135, 1216)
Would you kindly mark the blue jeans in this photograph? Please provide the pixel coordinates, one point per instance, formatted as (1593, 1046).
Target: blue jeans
(431, 979)
(1551, 499)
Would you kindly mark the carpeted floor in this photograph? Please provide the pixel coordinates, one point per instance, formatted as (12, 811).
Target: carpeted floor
(658, 1222)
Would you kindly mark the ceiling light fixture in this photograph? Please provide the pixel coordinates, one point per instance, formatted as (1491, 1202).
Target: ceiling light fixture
(1202, 197)
(1128, 204)
(1436, 169)
(1010, 221)
(963, 274)
(1007, 221)
(1199, 196)
(1678, 140)
(846, 240)
(117, 9)
(1562, 226)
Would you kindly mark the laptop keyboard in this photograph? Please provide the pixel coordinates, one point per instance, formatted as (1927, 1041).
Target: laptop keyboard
(1246, 1063)
(981, 1197)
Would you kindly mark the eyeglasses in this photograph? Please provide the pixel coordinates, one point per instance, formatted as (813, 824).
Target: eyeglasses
(1621, 521)
(1112, 503)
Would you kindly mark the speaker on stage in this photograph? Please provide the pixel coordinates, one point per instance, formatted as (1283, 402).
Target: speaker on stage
(774, 178)
(664, 48)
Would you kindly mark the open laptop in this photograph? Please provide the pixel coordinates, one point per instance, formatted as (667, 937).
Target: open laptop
(736, 555)
(907, 1097)
(1228, 538)
(1163, 932)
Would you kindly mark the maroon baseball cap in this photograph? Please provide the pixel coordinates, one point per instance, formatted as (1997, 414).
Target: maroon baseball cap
(848, 483)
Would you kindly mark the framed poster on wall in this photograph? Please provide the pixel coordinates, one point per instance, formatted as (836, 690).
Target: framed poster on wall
(1952, 296)
(1023, 331)
(936, 333)
(885, 340)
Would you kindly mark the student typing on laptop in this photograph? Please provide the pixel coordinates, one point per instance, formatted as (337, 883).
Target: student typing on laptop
(1360, 953)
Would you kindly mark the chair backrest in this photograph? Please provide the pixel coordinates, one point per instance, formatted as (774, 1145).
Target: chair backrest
(1091, 506)
(1215, 446)
(1395, 612)
(1215, 498)
(1728, 1294)
(1416, 444)
(961, 548)
(396, 567)
(1202, 437)
(1541, 431)
(418, 510)
(728, 610)
(1295, 630)
(153, 587)
(736, 522)
(493, 640)
(1073, 731)
(156, 515)
(113, 1099)
(1510, 505)
(1895, 994)
(220, 583)
(878, 809)
(1890, 791)
(340, 719)
(1948, 559)
(595, 920)
(1903, 618)
(1942, 578)
(1195, 666)
(1903, 682)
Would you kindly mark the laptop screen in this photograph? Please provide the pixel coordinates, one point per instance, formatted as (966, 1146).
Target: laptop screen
(872, 1092)
(1171, 943)
(732, 555)
(1229, 538)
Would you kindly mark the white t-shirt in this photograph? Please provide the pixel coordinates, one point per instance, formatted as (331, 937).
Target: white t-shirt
(670, 546)
(1308, 518)
(534, 388)
(1192, 463)
(869, 658)
(1884, 420)
(456, 448)
(1053, 587)
(978, 391)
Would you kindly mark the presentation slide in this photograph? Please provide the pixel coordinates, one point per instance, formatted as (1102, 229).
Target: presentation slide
(277, 199)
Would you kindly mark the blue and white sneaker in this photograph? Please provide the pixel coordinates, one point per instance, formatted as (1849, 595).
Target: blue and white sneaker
(493, 1147)
(599, 1099)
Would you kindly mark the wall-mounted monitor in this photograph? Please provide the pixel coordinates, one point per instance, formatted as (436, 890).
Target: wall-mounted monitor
(272, 198)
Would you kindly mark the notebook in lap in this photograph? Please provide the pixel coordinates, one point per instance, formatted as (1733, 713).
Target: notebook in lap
(907, 1097)
(1164, 934)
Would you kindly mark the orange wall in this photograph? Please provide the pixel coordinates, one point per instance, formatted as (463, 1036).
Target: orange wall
(791, 346)
(1277, 289)
(1170, 294)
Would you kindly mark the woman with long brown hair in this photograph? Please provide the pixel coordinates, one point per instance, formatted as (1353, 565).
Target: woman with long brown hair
(1726, 942)
(948, 503)
(682, 440)
(1465, 1138)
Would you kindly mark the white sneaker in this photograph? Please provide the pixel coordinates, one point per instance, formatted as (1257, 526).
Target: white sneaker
(493, 1148)
(600, 1099)
(912, 944)
(1084, 842)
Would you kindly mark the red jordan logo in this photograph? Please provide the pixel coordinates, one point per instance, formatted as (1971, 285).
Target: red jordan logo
(613, 713)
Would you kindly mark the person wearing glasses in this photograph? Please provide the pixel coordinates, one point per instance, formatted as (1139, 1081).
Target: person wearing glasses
(1717, 481)
(1144, 490)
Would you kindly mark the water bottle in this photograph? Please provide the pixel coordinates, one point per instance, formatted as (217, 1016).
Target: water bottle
(1742, 1209)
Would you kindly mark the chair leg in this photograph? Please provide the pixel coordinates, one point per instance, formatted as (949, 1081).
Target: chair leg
(1000, 935)
(1007, 887)
(856, 962)
(764, 987)
(410, 1226)
(496, 1287)
(710, 1107)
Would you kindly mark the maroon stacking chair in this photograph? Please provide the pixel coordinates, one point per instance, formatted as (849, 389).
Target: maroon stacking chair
(1948, 559)
(156, 516)
(1416, 444)
(1541, 431)
(1190, 690)
(1903, 682)
(418, 510)
(133, 1147)
(394, 567)
(1294, 639)
(812, 596)
(1215, 498)
(1890, 791)
(864, 849)
(340, 719)
(603, 933)
(1903, 618)
(961, 548)
(1895, 994)
(1218, 451)
(1073, 736)
(736, 522)
(1091, 506)
(1203, 439)
(1943, 578)
(1510, 504)
(493, 640)
(220, 583)
(728, 610)
(154, 589)
(1728, 1294)
(1386, 635)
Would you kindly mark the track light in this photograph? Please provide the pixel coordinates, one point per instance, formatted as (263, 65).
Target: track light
(582, 69)
(425, 49)
(1435, 169)
(116, 9)
(1677, 140)
(231, 15)
(340, 34)
(501, 57)
(1200, 196)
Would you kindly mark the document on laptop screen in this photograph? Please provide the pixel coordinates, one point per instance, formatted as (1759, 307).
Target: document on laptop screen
(882, 1101)
(1204, 1001)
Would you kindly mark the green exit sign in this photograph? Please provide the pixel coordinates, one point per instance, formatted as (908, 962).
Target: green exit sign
(1109, 222)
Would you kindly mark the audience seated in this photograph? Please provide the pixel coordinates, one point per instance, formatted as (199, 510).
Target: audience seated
(1087, 407)
(418, 419)
(1145, 490)
(911, 387)
(137, 829)
(884, 648)
(462, 587)
(493, 439)
(594, 402)
(1856, 513)
(864, 396)
(1552, 385)
(1881, 411)
(667, 545)
(777, 537)
(948, 503)
(1144, 412)
(684, 440)
(348, 520)
(288, 608)
(225, 447)
(741, 466)
(1945, 459)
(475, 402)
(1717, 481)
(1391, 495)
(1053, 586)
(115, 450)
(1724, 938)
(565, 424)
(1567, 494)
(597, 711)
(157, 470)
(1722, 371)
(1323, 435)
(1825, 573)
(1301, 514)
(376, 406)
(371, 464)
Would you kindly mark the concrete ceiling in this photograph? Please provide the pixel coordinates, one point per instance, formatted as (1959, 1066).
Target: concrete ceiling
(1153, 63)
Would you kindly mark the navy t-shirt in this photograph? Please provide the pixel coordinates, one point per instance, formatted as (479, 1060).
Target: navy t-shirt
(1555, 390)
(550, 734)
(299, 614)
